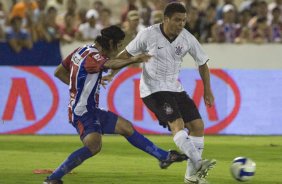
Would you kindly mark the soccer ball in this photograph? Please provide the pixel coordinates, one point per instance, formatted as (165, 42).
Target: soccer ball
(243, 169)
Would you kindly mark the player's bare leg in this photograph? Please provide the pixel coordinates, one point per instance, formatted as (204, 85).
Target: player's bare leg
(166, 158)
(93, 142)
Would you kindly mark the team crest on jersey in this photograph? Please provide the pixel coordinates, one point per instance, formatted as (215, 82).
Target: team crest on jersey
(168, 109)
(178, 50)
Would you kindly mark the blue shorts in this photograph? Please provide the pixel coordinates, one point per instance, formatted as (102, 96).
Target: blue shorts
(100, 121)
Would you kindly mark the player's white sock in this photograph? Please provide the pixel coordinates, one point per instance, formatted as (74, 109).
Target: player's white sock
(185, 144)
(199, 144)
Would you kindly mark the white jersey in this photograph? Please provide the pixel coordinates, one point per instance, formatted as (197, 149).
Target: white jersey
(161, 72)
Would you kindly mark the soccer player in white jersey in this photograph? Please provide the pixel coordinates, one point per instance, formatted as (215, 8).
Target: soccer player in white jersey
(163, 94)
(82, 70)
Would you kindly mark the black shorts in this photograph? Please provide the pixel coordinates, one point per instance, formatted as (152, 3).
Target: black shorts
(169, 106)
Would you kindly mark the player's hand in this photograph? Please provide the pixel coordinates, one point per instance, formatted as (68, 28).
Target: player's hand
(106, 80)
(141, 58)
(208, 97)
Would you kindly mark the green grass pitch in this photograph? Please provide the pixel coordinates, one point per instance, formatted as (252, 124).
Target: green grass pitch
(119, 162)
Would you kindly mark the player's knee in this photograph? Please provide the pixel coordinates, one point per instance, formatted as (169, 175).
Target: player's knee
(127, 130)
(124, 128)
(176, 125)
(94, 145)
(95, 149)
(196, 127)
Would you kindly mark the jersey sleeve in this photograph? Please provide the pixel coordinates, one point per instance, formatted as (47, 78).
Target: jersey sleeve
(138, 44)
(197, 52)
(67, 61)
(95, 62)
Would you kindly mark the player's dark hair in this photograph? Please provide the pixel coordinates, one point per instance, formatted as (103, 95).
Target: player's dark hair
(110, 33)
(172, 8)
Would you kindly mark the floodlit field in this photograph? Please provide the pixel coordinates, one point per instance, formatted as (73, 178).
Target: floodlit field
(120, 163)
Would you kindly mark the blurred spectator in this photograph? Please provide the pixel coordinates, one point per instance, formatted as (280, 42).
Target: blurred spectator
(156, 17)
(2, 34)
(131, 30)
(219, 13)
(17, 37)
(244, 17)
(254, 8)
(40, 32)
(68, 30)
(133, 21)
(193, 22)
(70, 23)
(245, 31)
(201, 6)
(131, 5)
(24, 9)
(246, 5)
(2, 22)
(3, 14)
(35, 23)
(159, 4)
(261, 32)
(187, 3)
(51, 25)
(30, 26)
(274, 4)
(71, 7)
(213, 3)
(58, 4)
(13, 3)
(98, 6)
(262, 9)
(105, 19)
(82, 15)
(40, 10)
(261, 12)
(88, 31)
(276, 25)
(226, 30)
(207, 22)
(145, 13)
(271, 6)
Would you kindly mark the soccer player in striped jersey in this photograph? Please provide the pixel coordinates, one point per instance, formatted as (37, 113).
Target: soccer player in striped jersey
(160, 90)
(82, 71)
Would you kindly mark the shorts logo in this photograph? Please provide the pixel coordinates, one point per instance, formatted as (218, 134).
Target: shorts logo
(168, 109)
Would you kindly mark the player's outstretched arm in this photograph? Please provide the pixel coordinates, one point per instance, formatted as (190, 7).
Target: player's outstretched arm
(108, 78)
(205, 75)
(62, 74)
(120, 63)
